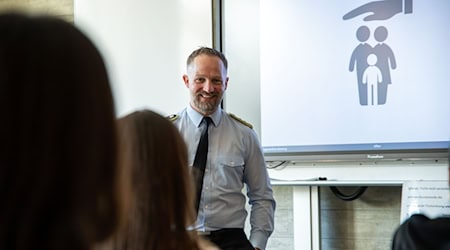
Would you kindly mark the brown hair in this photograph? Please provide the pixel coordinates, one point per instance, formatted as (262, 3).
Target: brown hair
(58, 174)
(209, 52)
(162, 205)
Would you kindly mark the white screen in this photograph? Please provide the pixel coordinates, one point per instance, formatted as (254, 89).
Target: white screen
(310, 99)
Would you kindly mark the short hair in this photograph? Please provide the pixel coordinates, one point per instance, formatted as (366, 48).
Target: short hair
(58, 166)
(207, 51)
(162, 207)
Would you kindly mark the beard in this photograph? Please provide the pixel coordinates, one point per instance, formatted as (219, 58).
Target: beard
(206, 107)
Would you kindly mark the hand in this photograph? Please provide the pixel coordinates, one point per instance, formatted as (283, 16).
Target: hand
(380, 10)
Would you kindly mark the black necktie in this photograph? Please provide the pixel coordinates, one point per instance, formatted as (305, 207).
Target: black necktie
(198, 168)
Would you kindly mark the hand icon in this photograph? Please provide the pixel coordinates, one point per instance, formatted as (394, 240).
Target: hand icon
(380, 10)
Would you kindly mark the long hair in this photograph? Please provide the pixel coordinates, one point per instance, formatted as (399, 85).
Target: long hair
(58, 164)
(162, 205)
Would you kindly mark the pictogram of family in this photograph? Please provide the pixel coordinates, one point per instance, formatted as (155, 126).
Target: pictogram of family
(373, 66)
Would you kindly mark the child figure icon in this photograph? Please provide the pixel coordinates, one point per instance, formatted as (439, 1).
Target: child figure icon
(372, 77)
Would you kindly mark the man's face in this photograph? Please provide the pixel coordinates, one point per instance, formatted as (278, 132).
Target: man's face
(207, 81)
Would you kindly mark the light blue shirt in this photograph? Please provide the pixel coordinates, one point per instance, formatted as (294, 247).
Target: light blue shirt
(234, 158)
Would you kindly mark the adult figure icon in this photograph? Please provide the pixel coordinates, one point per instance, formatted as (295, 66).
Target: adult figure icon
(386, 62)
(359, 58)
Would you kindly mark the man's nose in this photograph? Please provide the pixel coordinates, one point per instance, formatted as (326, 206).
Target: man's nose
(208, 86)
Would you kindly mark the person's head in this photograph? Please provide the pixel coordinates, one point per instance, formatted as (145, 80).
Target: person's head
(381, 33)
(372, 59)
(206, 78)
(58, 166)
(363, 33)
(162, 203)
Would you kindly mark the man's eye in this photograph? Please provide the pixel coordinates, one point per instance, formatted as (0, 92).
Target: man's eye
(200, 80)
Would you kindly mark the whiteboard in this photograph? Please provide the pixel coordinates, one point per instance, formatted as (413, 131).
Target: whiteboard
(242, 45)
(349, 85)
(280, 48)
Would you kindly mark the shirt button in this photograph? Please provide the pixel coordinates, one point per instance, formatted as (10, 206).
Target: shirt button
(206, 188)
(206, 206)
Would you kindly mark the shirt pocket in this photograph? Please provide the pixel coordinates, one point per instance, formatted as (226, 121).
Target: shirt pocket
(230, 172)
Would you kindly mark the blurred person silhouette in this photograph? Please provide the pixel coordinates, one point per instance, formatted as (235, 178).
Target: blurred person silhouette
(419, 232)
(59, 177)
(162, 205)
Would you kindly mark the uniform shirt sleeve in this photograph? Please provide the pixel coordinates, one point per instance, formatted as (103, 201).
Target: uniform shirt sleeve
(259, 192)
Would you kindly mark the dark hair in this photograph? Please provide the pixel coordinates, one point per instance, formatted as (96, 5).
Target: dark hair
(58, 166)
(209, 52)
(162, 206)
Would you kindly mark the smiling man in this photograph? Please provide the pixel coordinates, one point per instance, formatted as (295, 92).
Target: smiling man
(225, 156)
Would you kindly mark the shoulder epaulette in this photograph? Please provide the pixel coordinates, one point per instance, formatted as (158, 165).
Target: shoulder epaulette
(172, 118)
(240, 120)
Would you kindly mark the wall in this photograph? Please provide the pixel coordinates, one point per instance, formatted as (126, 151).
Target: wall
(366, 223)
(146, 44)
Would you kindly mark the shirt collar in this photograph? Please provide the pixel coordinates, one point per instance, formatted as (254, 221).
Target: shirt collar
(196, 117)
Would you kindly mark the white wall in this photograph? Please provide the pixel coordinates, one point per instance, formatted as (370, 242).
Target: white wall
(145, 44)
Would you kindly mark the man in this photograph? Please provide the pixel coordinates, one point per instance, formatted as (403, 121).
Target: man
(422, 233)
(234, 158)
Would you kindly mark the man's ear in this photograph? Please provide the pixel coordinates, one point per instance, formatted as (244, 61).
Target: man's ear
(186, 80)
(226, 83)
